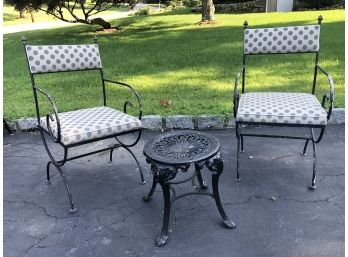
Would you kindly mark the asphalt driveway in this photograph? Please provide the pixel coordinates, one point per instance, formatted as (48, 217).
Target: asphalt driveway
(275, 213)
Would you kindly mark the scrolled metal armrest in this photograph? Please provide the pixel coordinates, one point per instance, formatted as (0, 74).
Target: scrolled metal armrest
(331, 94)
(49, 116)
(128, 102)
(236, 92)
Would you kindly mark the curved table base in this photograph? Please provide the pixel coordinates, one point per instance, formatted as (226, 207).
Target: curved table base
(163, 173)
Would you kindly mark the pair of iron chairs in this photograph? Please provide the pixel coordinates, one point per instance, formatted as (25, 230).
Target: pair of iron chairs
(79, 127)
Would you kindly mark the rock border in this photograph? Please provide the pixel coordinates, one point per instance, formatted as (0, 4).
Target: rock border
(156, 122)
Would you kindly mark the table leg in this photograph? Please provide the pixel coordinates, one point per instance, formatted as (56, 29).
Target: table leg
(162, 239)
(216, 166)
(202, 184)
(147, 197)
(162, 174)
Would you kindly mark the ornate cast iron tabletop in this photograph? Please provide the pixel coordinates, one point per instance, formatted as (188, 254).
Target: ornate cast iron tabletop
(181, 147)
(175, 151)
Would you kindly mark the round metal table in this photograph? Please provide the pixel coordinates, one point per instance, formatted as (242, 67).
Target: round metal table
(175, 151)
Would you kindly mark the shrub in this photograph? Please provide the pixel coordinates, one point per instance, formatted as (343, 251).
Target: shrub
(151, 1)
(230, 1)
(144, 11)
(192, 3)
(317, 4)
(171, 4)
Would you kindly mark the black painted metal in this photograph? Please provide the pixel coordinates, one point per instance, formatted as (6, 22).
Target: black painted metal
(181, 147)
(176, 151)
(7, 127)
(244, 61)
(330, 98)
(57, 138)
(312, 186)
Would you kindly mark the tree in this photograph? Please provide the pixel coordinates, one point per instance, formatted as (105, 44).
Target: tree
(66, 9)
(208, 11)
(21, 14)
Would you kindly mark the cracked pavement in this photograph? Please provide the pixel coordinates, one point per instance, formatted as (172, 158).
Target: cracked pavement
(275, 213)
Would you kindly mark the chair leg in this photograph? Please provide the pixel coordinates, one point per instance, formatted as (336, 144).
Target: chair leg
(238, 179)
(305, 147)
(72, 204)
(48, 179)
(242, 144)
(58, 165)
(312, 186)
(135, 158)
(111, 152)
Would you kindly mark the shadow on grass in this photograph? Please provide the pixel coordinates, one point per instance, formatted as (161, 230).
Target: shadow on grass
(10, 17)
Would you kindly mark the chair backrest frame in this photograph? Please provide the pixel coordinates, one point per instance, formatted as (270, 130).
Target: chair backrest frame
(285, 50)
(46, 49)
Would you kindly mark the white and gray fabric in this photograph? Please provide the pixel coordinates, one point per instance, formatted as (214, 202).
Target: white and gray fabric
(282, 40)
(85, 124)
(55, 58)
(285, 108)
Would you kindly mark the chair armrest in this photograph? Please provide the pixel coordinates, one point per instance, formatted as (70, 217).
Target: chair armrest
(140, 107)
(331, 94)
(49, 116)
(236, 92)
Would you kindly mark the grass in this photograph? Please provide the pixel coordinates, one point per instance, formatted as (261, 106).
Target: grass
(168, 56)
(11, 16)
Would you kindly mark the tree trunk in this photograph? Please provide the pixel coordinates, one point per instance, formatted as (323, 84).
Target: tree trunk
(32, 17)
(101, 22)
(208, 11)
(21, 14)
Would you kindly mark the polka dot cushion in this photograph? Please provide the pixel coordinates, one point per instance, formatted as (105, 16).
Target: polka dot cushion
(85, 124)
(287, 108)
(282, 40)
(54, 58)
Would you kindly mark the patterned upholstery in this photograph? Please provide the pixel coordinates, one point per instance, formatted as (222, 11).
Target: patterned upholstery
(54, 58)
(282, 40)
(287, 108)
(85, 124)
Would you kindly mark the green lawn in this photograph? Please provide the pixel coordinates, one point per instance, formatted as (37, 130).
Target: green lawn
(168, 56)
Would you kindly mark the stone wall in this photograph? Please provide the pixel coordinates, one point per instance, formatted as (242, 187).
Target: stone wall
(156, 122)
(244, 7)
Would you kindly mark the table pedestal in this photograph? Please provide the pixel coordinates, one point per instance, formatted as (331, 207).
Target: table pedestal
(165, 173)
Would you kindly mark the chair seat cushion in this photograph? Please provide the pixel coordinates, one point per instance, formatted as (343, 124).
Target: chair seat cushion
(91, 123)
(281, 108)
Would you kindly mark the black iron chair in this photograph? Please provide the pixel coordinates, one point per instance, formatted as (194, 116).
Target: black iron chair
(79, 127)
(7, 127)
(282, 109)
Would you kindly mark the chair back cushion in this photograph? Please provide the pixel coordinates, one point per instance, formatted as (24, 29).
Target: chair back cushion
(294, 39)
(57, 58)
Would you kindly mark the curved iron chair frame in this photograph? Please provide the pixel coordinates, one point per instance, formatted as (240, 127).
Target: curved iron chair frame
(327, 98)
(6, 126)
(57, 139)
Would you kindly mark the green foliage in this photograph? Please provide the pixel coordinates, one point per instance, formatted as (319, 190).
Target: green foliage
(230, 1)
(319, 3)
(171, 4)
(192, 3)
(70, 11)
(144, 11)
(152, 1)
